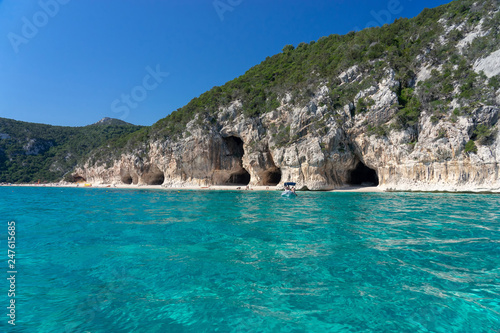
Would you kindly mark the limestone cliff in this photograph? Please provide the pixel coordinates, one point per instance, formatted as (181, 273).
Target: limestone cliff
(428, 121)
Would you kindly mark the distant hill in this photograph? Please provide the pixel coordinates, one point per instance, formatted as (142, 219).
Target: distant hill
(112, 121)
(30, 152)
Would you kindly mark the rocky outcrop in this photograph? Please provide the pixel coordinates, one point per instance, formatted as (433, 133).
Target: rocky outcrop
(106, 121)
(37, 146)
(489, 65)
(437, 161)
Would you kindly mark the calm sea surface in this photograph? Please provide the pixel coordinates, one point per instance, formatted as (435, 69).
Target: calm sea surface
(104, 260)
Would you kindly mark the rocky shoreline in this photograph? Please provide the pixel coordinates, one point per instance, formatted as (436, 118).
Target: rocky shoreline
(191, 188)
(353, 189)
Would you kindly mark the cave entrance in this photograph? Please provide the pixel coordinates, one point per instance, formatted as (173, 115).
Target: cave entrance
(155, 178)
(127, 179)
(235, 146)
(271, 177)
(240, 175)
(78, 179)
(363, 176)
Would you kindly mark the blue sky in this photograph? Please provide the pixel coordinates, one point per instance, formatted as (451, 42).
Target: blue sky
(73, 62)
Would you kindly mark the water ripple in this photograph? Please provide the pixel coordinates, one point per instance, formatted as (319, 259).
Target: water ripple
(190, 261)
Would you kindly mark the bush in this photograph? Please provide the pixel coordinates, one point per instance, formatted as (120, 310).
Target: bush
(482, 133)
(494, 82)
(470, 147)
(410, 108)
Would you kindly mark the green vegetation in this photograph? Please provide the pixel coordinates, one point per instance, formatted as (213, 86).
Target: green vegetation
(494, 82)
(483, 133)
(470, 147)
(379, 131)
(364, 104)
(410, 107)
(31, 152)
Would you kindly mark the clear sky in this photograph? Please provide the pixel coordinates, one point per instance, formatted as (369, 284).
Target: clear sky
(73, 62)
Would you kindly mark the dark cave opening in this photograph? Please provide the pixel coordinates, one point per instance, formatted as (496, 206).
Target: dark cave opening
(78, 179)
(363, 176)
(271, 177)
(235, 147)
(239, 178)
(155, 178)
(126, 179)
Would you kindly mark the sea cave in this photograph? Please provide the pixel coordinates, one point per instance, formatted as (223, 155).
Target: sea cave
(363, 176)
(126, 179)
(78, 179)
(241, 175)
(271, 177)
(154, 178)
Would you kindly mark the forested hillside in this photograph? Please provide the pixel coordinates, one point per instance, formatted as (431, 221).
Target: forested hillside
(31, 152)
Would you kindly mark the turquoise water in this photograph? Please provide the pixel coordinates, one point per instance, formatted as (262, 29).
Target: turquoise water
(103, 260)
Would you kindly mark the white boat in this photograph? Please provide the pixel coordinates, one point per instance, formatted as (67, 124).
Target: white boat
(287, 192)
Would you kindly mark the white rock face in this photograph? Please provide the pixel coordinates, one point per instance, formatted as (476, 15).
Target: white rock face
(423, 74)
(489, 65)
(471, 35)
(36, 146)
(350, 75)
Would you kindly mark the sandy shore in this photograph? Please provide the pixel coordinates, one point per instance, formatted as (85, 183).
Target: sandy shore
(204, 188)
(359, 189)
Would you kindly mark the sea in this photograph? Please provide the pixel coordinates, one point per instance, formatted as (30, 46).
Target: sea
(107, 260)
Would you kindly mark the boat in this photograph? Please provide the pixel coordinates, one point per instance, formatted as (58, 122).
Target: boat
(289, 192)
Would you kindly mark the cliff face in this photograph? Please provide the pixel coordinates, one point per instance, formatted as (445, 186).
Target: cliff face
(450, 143)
